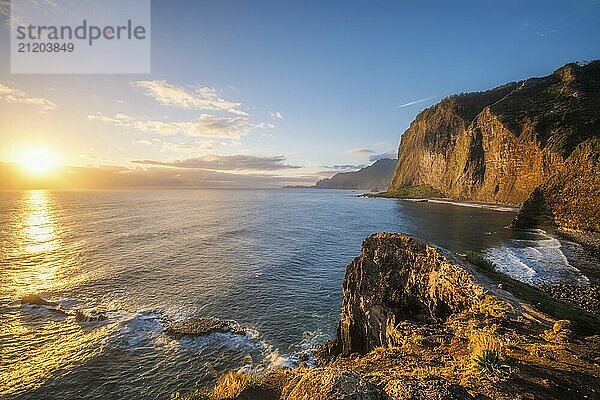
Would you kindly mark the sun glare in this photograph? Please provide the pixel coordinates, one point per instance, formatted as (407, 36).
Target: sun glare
(38, 160)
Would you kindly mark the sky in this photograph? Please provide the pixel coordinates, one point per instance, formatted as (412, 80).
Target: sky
(264, 93)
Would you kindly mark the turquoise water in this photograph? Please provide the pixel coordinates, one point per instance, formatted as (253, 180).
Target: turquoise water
(271, 260)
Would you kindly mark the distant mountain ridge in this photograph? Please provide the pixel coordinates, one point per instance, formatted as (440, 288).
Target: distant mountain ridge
(534, 141)
(376, 176)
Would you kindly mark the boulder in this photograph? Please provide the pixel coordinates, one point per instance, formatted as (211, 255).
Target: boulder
(202, 326)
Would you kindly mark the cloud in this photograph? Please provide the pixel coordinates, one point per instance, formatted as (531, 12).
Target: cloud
(388, 154)
(225, 163)
(107, 176)
(202, 98)
(359, 152)
(189, 148)
(411, 103)
(16, 96)
(344, 167)
(264, 125)
(276, 115)
(207, 125)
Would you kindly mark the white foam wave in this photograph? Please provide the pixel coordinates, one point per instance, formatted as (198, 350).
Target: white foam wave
(494, 207)
(535, 261)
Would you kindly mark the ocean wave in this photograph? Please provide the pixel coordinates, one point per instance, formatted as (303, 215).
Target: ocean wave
(536, 260)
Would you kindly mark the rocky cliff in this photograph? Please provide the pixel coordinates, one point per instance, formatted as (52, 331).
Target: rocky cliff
(570, 198)
(420, 323)
(498, 146)
(376, 176)
(397, 278)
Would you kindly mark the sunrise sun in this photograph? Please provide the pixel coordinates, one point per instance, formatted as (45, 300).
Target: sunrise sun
(38, 160)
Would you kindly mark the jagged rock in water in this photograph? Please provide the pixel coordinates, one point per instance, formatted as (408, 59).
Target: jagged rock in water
(36, 300)
(331, 384)
(91, 316)
(499, 145)
(202, 326)
(398, 278)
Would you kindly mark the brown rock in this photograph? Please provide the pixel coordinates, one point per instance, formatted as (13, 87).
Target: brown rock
(202, 326)
(398, 278)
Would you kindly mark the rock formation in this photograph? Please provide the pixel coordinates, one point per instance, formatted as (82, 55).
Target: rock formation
(498, 146)
(420, 323)
(397, 278)
(571, 197)
(202, 326)
(376, 176)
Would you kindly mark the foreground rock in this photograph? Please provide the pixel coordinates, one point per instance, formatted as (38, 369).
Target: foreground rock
(397, 278)
(202, 327)
(419, 323)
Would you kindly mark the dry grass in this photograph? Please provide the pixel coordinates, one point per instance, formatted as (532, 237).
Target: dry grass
(491, 306)
(231, 384)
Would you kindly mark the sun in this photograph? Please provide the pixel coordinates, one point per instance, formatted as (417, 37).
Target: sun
(38, 160)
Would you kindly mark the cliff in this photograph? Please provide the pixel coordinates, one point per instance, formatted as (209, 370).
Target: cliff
(498, 146)
(570, 198)
(420, 323)
(375, 176)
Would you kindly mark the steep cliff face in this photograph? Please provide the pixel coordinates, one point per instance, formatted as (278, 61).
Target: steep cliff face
(497, 146)
(375, 176)
(571, 197)
(397, 278)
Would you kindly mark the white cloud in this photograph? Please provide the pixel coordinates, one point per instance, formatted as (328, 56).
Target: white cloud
(202, 98)
(16, 96)
(388, 154)
(360, 152)
(190, 148)
(207, 125)
(276, 115)
(264, 125)
(239, 162)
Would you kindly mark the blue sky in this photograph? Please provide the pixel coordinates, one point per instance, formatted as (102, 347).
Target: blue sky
(336, 71)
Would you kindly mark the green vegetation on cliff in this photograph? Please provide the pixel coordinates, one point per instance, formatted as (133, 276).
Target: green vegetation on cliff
(413, 192)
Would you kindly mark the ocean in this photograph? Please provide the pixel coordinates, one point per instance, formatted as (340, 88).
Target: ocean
(271, 260)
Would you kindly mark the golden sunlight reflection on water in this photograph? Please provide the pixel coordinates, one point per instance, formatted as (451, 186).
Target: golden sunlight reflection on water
(34, 342)
(36, 244)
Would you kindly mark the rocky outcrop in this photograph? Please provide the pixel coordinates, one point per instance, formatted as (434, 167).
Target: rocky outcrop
(37, 300)
(498, 146)
(202, 326)
(397, 278)
(376, 176)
